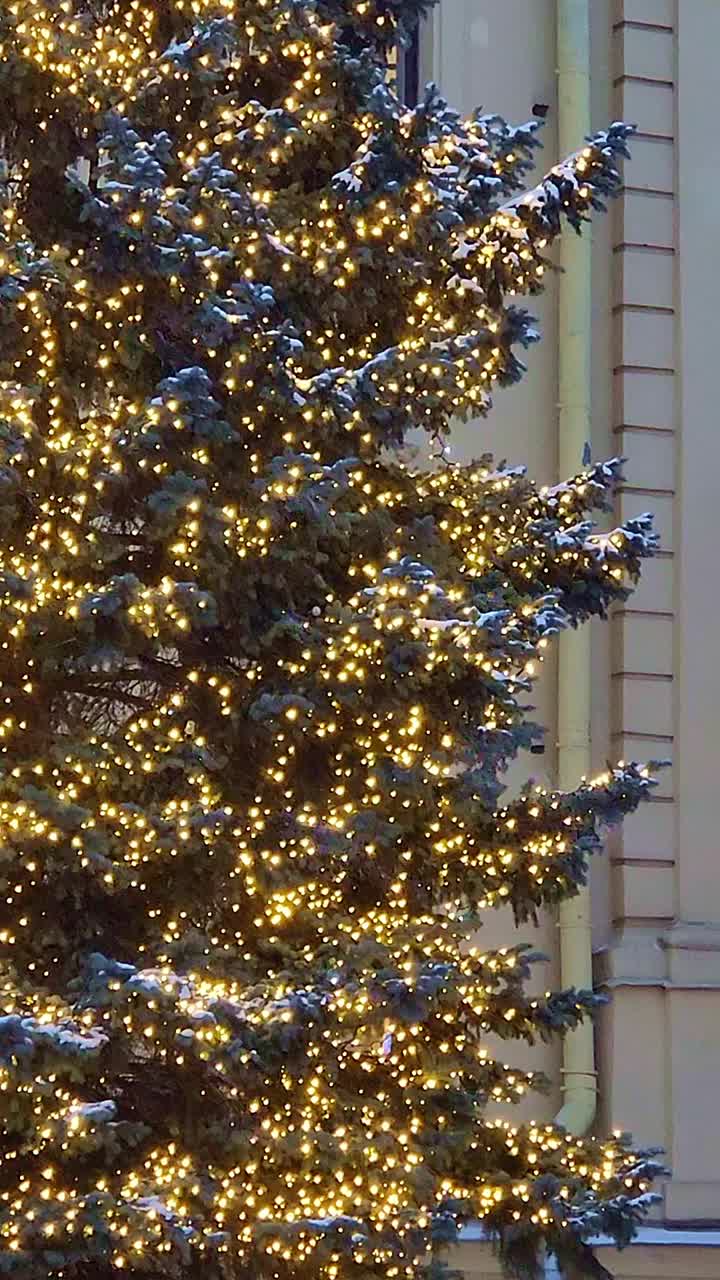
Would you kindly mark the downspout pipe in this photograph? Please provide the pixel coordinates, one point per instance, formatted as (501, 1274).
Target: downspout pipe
(579, 1088)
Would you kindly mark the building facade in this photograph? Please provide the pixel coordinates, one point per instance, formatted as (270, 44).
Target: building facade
(655, 687)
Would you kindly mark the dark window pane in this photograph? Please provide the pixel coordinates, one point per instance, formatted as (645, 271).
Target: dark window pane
(404, 70)
(409, 70)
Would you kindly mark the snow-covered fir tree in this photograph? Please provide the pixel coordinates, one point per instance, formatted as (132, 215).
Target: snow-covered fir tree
(260, 679)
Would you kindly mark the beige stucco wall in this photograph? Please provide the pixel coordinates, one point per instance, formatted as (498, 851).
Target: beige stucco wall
(656, 692)
(640, 1262)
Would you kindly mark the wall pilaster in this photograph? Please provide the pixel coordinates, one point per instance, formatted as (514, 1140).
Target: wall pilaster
(660, 1039)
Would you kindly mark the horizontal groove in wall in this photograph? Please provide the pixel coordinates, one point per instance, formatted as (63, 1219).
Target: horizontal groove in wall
(650, 250)
(639, 488)
(627, 732)
(641, 308)
(664, 984)
(627, 189)
(655, 677)
(643, 734)
(623, 246)
(652, 431)
(654, 248)
(649, 191)
(647, 135)
(628, 78)
(648, 861)
(641, 922)
(643, 368)
(661, 371)
(663, 614)
(661, 553)
(634, 24)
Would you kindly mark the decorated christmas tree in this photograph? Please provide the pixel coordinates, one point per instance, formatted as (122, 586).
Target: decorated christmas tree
(260, 677)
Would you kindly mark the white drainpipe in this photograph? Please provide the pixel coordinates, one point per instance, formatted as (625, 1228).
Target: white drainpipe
(574, 429)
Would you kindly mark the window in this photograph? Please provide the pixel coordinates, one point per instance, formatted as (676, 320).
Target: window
(405, 69)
